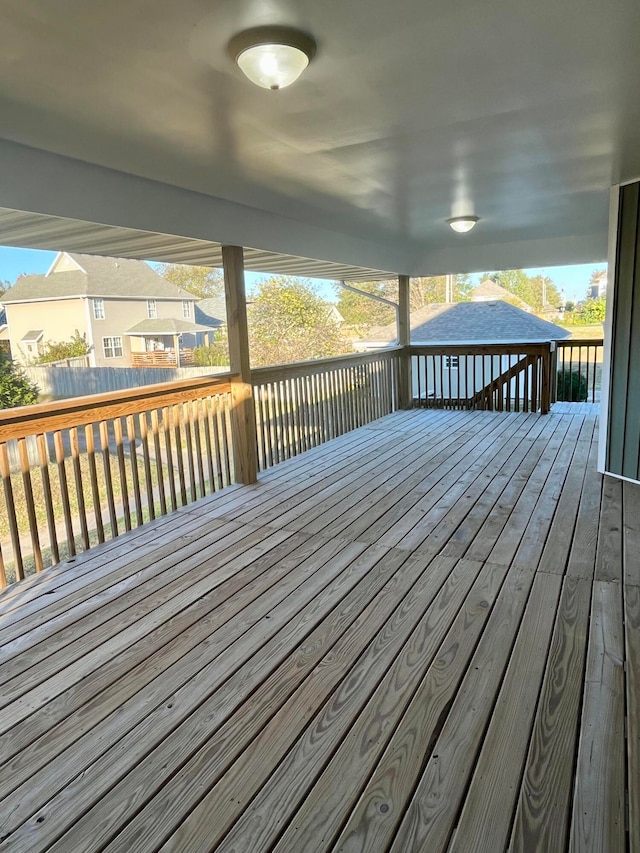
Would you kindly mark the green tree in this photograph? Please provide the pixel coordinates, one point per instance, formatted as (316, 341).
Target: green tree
(593, 310)
(288, 322)
(201, 281)
(433, 289)
(529, 288)
(15, 388)
(58, 350)
(362, 312)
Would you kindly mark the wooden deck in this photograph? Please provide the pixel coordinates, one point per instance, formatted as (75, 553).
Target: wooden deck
(411, 638)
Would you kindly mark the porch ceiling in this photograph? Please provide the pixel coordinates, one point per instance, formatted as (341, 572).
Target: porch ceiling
(410, 113)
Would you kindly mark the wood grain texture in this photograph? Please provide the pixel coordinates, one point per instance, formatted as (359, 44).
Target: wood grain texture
(387, 737)
(631, 533)
(598, 821)
(609, 550)
(256, 671)
(632, 661)
(544, 804)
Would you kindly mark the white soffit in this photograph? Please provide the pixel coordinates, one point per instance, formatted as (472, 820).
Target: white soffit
(39, 231)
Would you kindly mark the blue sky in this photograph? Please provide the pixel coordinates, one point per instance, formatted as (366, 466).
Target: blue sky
(572, 279)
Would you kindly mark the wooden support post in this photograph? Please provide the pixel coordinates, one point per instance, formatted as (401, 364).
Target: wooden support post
(405, 392)
(243, 415)
(553, 374)
(545, 394)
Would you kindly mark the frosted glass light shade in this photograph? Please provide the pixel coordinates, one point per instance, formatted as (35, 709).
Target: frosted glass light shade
(273, 66)
(272, 57)
(462, 224)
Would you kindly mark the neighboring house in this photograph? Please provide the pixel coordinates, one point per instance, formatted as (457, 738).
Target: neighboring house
(489, 290)
(4, 326)
(598, 287)
(464, 323)
(123, 307)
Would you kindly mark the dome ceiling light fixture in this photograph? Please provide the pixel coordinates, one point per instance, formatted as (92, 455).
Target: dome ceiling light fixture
(272, 57)
(462, 224)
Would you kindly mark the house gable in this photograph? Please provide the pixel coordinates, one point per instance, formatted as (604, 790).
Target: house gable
(63, 262)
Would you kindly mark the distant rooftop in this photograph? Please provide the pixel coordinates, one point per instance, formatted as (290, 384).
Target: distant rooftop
(211, 312)
(489, 290)
(458, 322)
(73, 274)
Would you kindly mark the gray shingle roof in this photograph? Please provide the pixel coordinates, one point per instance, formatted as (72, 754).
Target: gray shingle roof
(211, 312)
(32, 335)
(458, 322)
(103, 277)
(169, 326)
(489, 290)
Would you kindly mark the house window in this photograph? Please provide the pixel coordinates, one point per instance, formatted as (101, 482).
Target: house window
(451, 362)
(112, 347)
(152, 312)
(98, 309)
(186, 308)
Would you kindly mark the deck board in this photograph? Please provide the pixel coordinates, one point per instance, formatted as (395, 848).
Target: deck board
(408, 638)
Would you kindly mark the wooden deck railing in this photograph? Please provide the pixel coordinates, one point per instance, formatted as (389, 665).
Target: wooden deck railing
(80, 471)
(578, 367)
(162, 358)
(299, 406)
(499, 377)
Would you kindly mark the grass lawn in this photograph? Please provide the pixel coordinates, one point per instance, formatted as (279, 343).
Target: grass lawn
(591, 332)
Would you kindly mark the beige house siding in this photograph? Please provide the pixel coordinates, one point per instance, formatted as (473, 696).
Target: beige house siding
(58, 319)
(122, 314)
(63, 263)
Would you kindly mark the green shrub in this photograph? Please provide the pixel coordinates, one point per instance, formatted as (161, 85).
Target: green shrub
(571, 387)
(76, 347)
(214, 355)
(15, 388)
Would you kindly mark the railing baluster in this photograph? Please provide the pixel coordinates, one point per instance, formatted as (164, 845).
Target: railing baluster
(179, 448)
(64, 491)
(43, 455)
(27, 485)
(206, 426)
(534, 383)
(3, 571)
(214, 428)
(93, 477)
(155, 431)
(108, 476)
(197, 427)
(133, 462)
(166, 427)
(5, 473)
(122, 471)
(225, 432)
(186, 414)
(77, 475)
(146, 462)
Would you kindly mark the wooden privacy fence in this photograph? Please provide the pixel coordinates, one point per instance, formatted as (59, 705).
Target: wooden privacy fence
(499, 377)
(577, 364)
(107, 463)
(62, 382)
(299, 406)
